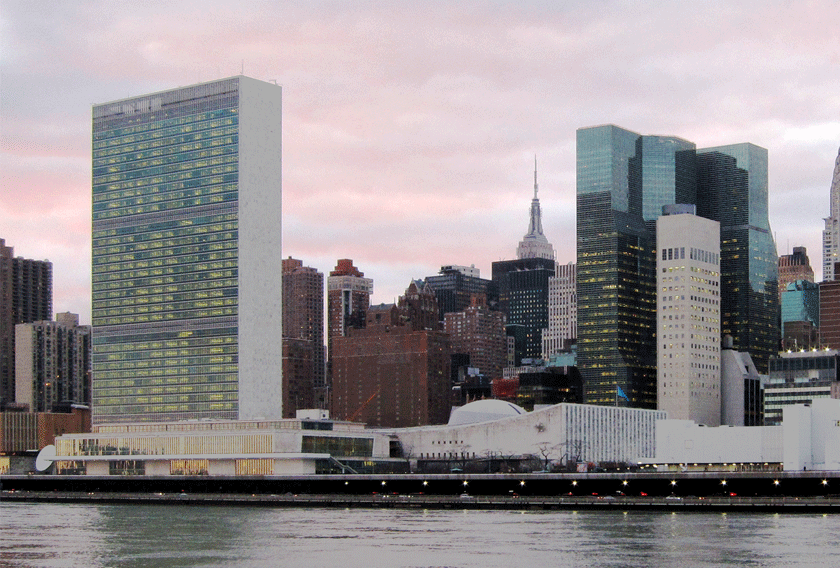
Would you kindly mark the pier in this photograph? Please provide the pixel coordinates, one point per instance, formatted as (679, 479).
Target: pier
(417, 501)
(720, 490)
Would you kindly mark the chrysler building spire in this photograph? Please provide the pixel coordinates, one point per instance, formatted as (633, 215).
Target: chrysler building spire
(831, 234)
(534, 244)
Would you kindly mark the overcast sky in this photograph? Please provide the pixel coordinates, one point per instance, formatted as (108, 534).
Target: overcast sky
(410, 128)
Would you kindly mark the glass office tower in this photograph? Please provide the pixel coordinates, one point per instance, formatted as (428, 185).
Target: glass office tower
(523, 298)
(186, 254)
(623, 181)
(732, 189)
(616, 287)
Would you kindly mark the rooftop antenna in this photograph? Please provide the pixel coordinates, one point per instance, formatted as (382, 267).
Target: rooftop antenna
(535, 176)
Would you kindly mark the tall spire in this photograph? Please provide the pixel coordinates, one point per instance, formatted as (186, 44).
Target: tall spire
(831, 234)
(534, 244)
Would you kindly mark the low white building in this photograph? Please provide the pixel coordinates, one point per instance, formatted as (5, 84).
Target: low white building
(226, 447)
(693, 446)
(808, 438)
(812, 435)
(563, 432)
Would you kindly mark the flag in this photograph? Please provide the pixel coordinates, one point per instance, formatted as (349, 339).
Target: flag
(621, 393)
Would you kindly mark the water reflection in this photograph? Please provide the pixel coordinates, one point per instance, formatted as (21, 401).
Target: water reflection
(42, 535)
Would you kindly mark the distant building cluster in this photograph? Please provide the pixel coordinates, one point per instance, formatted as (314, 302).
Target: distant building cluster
(677, 305)
(45, 364)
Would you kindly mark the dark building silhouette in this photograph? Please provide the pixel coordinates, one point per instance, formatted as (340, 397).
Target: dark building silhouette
(468, 385)
(395, 371)
(800, 315)
(732, 189)
(478, 333)
(799, 301)
(830, 311)
(298, 375)
(303, 312)
(454, 287)
(304, 359)
(537, 385)
(523, 298)
(798, 377)
(523, 286)
(25, 297)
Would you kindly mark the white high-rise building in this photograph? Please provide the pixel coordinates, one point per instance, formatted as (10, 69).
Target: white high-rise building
(831, 234)
(688, 315)
(187, 254)
(562, 310)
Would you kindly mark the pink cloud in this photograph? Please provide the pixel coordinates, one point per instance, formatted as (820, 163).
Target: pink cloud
(409, 129)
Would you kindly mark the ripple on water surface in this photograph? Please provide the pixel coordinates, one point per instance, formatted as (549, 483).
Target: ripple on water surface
(46, 535)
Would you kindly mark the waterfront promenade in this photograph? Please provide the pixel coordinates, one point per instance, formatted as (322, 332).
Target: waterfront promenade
(463, 501)
(724, 490)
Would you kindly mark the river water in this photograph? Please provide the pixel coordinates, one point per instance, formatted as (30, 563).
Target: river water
(133, 536)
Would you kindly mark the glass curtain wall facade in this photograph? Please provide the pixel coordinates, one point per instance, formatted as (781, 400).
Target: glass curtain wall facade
(801, 302)
(186, 244)
(523, 298)
(732, 189)
(453, 290)
(623, 180)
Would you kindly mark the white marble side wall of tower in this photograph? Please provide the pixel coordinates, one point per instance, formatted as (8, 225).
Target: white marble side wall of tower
(260, 254)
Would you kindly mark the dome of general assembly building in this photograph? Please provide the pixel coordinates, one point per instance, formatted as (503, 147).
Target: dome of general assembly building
(484, 411)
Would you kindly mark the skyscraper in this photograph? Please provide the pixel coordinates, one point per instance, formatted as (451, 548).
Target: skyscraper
(562, 310)
(303, 310)
(25, 297)
(623, 181)
(831, 234)
(732, 189)
(534, 244)
(800, 310)
(455, 286)
(348, 299)
(523, 285)
(186, 250)
(479, 332)
(688, 316)
(52, 363)
(793, 267)
(304, 360)
(830, 311)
